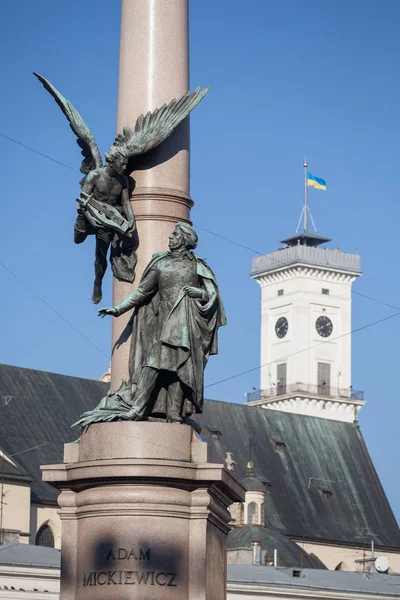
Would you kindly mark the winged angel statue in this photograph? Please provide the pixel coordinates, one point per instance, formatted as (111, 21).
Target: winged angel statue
(104, 207)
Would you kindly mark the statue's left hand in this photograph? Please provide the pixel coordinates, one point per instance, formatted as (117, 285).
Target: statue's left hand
(192, 292)
(107, 311)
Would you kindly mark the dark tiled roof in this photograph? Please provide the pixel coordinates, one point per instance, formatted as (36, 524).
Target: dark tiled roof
(253, 484)
(289, 553)
(314, 448)
(38, 412)
(44, 405)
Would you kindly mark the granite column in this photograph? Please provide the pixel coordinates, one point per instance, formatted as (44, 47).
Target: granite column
(153, 69)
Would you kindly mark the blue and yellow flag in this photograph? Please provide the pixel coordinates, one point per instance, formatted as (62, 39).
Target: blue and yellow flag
(316, 182)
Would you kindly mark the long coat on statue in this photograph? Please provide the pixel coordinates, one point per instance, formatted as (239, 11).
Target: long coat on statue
(179, 335)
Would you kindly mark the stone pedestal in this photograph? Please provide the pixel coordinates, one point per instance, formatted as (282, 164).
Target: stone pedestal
(144, 515)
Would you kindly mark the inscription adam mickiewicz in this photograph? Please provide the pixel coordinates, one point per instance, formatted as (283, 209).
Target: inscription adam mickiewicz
(128, 577)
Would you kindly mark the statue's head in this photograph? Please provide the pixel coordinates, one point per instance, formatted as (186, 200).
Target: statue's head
(183, 236)
(117, 158)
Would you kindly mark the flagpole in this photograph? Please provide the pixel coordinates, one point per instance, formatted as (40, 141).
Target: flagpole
(305, 209)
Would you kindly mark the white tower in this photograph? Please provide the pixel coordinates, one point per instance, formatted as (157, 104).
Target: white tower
(305, 329)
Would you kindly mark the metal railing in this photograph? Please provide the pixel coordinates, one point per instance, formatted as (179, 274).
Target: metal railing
(308, 255)
(304, 388)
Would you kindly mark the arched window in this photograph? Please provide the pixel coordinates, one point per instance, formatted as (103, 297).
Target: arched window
(239, 514)
(45, 537)
(252, 514)
(262, 514)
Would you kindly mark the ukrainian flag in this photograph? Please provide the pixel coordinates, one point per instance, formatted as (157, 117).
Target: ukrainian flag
(316, 182)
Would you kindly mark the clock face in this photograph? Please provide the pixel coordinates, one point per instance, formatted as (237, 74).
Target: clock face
(324, 326)
(281, 327)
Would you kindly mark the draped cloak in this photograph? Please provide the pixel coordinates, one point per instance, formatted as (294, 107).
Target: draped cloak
(180, 340)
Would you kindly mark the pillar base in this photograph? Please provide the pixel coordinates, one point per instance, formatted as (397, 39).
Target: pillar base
(143, 514)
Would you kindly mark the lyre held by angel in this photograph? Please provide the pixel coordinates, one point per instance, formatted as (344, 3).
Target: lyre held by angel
(104, 206)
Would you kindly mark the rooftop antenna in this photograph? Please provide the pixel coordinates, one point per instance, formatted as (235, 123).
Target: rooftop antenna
(305, 211)
(366, 532)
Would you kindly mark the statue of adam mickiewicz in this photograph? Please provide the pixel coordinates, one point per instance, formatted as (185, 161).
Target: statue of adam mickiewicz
(178, 310)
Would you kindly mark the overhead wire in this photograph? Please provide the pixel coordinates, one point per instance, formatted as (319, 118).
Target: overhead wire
(53, 309)
(9, 138)
(306, 349)
(37, 152)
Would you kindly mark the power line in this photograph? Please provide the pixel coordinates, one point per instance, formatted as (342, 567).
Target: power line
(37, 152)
(227, 239)
(53, 309)
(211, 233)
(376, 300)
(303, 350)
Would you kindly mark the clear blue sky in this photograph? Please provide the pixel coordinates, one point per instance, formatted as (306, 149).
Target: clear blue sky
(287, 78)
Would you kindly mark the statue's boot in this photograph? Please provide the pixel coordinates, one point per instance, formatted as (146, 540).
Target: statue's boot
(174, 417)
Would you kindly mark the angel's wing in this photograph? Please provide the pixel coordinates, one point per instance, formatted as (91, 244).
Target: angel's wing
(156, 126)
(85, 141)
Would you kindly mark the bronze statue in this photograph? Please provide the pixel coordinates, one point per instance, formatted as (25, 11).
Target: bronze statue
(104, 207)
(178, 311)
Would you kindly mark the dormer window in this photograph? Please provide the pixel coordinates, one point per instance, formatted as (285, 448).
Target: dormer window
(326, 494)
(280, 446)
(215, 433)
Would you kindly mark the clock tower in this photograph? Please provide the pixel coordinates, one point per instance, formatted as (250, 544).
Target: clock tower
(305, 329)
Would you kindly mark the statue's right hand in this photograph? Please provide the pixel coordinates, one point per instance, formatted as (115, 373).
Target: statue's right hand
(107, 311)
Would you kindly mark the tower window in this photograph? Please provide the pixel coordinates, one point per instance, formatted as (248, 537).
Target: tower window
(280, 292)
(252, 514)
(324, 379)
(281, 379)
(240, 514)
(325, 291)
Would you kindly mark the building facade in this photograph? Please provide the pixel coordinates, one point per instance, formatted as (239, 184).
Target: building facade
(305, 329)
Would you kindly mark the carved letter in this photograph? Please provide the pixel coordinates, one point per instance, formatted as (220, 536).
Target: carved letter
(144, 555)
(157, 579)
(110, 577)
(172, 579)
(121, 555)
(152, 577)
(87, 579)
(128, 575)
(98, 578)
(131, 553)
(142, 576)
(110, 554)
